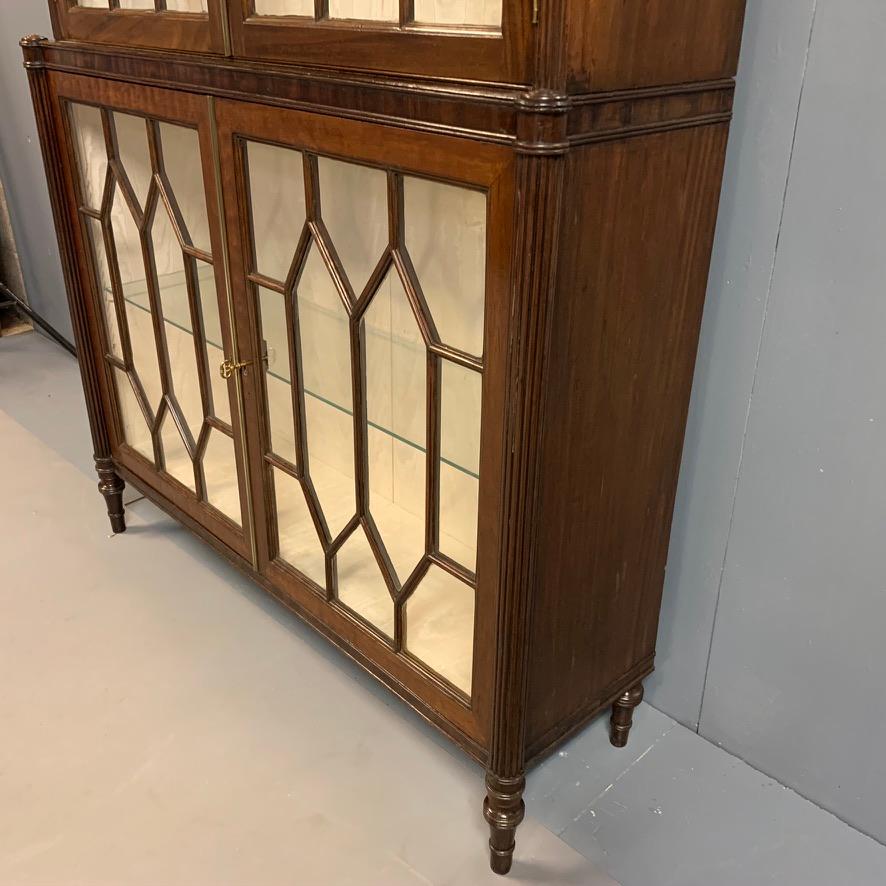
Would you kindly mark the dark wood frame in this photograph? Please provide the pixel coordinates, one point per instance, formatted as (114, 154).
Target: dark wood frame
(151, 29)
(615, 146)
(398, 47)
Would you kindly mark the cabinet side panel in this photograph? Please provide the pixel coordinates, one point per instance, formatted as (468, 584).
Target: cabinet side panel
(638, 232)
(616, 45)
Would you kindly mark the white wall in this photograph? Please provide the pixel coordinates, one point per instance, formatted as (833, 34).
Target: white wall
(782, 504)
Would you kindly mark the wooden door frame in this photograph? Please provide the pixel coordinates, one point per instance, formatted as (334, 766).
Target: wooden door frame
(182, 109)
(143, 28)
(460, 161)
(474, 54)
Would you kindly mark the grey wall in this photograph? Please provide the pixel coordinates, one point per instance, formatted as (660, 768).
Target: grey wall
(775, 603)
(21, 167)
(771, 641)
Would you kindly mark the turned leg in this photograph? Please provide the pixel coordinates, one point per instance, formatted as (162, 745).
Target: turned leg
(111, 486)
(503, 808)
(623, 715)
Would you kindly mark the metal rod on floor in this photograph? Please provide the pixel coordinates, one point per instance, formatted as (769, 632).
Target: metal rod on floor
(47, 327)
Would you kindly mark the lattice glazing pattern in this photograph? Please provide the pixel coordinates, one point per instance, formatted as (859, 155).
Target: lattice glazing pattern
(144, 209)
(369, 290)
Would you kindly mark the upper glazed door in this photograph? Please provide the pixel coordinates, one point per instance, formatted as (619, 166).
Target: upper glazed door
(464, 39)
(194, 25)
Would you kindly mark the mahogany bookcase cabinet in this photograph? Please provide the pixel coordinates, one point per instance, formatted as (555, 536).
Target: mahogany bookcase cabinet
(395, 303)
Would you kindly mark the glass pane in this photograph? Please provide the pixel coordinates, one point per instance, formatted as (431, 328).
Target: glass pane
(277, 194)
(105, 294)
(354, 206)
(284, 7)
(132, 146)
(440, 626)
(92, 155)
(326, 370)
(297, 540)
(459, 12)
(137, 4)
(187, 5)
(94, 4)
(371, 10)
(135, 299)
(181, 160)
(396, 367)
(446, 238)
(360, 583)
(178, 462)
(221, 400)
(175, 305)
(135, 429)
(220, 471)
(277, 382)
(460, 462)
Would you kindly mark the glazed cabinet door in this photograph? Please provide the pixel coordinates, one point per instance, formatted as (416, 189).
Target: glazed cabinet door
(370, 271)
(464, 39)
(192, 25)
(143, 184)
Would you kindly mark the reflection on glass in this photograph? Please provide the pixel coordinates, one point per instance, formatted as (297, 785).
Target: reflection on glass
(354, 206)
(175, 454)
(460, 462)
(485, 13)
(396, 361)
(92, 157)
(440, 626)
(181, 160)
(277, 199)
(175, 308)
(220, 472)
(326, 369)
(284, 7)
(297, 540)
(445, 230)
(221, 399)
(133, 277)
(281, 425)
(105, 294)
(135, 429)
(132, 145)
(367, 10)
(361, 586)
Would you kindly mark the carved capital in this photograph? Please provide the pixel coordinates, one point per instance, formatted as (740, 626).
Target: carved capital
(32, 50)
(542, 117)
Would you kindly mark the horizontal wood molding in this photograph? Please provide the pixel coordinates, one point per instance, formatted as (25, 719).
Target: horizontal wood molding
(534, 122)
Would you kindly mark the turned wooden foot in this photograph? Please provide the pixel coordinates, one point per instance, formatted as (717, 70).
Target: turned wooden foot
(623, 715)
(111, 486)
(503, 808)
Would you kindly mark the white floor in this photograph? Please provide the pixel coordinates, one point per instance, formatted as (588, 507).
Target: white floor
(162, 722)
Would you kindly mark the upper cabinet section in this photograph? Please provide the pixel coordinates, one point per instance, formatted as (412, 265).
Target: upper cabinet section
(576, 46)
(613, 45)
(193, 25)
(462, 39)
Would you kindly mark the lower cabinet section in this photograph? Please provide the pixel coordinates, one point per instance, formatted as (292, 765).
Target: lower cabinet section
(300, 321)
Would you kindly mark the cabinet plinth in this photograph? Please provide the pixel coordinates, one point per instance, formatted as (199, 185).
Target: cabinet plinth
(397, 309)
